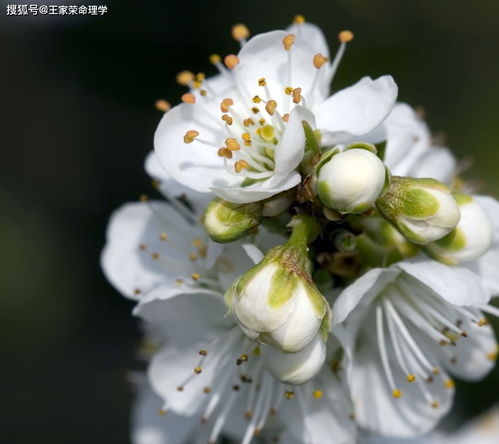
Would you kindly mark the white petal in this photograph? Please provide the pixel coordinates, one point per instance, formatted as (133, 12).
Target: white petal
(456, 285)
(194, 165)
(127, 266)
(437, 163)
(289, 153)
(358, 109)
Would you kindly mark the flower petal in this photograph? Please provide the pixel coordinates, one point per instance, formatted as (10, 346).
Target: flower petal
(358, 109)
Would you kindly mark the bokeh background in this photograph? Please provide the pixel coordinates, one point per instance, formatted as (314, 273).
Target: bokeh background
(77, 119)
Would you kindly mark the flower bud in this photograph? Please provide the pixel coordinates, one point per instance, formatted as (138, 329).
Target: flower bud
(226, 221)
(295, 368)
(423, 210)
(351, 181)
(469, 240)
(278, 203)
(276, 302)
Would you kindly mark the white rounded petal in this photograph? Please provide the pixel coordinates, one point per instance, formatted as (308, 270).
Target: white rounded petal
(134, 238)
(194, 165)
(437, 163)
(358, 109)
(295, 368)
(291, 149)
(351, 181)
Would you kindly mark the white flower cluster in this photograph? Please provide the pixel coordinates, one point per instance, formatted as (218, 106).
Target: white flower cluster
(316, 269)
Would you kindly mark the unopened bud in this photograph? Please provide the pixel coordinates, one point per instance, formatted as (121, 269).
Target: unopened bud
(469, 240)
(423, 210)
(352, 180)
(278, 203)
(226, 221)
(276, 302)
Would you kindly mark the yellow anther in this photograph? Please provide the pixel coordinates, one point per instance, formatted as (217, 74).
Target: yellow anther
(248, 122)
(227, 119)
(185, 77)
(180, 388)
(163, 236)
(188, 98)
(289, 394)
(232, 144)
(155, 183)
(262, 121)
(288, 41)
(449, 384)
(345, 36)
(214, 59)
(411, 378)
(142, 246)
(273, 411)
(286, 117)
(190, 136)
(226, 104)
(255, 110)
(317, 394)
(242, 358)
(137, 291)
(436, 371)
(256, 351)
(225, 152)
(196, 84)
(271, 106)
(203, 352)
(207, 390)
(200, 76)
(203, 92)
(296, 95)
(155, 256)
(193, 257)
(198, 242)
(240, 32)
(162, 412)
(162, 105)
(267, 132)
(319, 60)
(247, 139)
(396, 393)
(288, 90)
(198, 370)
(492, 356)
(435, 404)
(240, 165)
(179, 281)
(298, 19)
(231, 61)
(195, 276)
(256, 99)
(481, 322)
(262, 81)
(248, 414)
(144, 198)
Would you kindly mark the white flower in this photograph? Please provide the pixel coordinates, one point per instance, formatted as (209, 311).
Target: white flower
(405, 328)
(470, 239)
(351, 181)
(276, 301)
(423, 210)
(240, 134)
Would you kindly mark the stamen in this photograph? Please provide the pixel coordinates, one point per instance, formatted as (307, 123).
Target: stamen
(162, 105)
(298, 19)
(215, 59)
(296, 95)
(184, 78)
(285, 118)
(271, 106)
(231, 61)
(318, 394)
(383, 352)
(188, 98)
(163, 236)
(232, 144)
(195, 276)
(240, 165)
(319, 60)
(240, 33)
(344, 37)
(227, 119)
(190, 136)
(288, 41)
(226, 104)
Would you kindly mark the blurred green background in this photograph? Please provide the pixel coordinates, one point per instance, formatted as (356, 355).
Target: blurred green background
(77, 119)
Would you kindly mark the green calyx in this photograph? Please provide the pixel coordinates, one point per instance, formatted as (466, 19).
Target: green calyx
(226, 221)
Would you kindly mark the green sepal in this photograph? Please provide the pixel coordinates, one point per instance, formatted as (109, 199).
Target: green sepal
(312, 150)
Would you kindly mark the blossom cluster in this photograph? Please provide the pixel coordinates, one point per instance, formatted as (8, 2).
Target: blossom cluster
(317, 269)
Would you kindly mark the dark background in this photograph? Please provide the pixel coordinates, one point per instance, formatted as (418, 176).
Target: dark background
(77, 119)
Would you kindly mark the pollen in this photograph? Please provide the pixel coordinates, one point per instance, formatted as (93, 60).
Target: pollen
(195, 276)
(318, 394)
(262, 81)
(240, 32)
(198, 370)
(240, 165)
(203, 352)
(180, 388)
(345, 36)
(288, 90)
(247, 139)
(162, 105)
(296, 95)
(225, 152)
(188, 98)
(288, 41)
(256, 99)
(267, 132)
(227, 119)
(226, 104)
(449, 383)
(232, 144)
(271, 106)
(298, 19)
(481, 322)
(255, 110)
(435, 404)
(163, 236)
(214, 59)
(396, 393)
(190, 136)
(262, 121)
(248, 122)
(207, 390)
(289, 394)
(185, 77)
(319, 60)
(231, 61)
(285, 118)
(411, 378)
